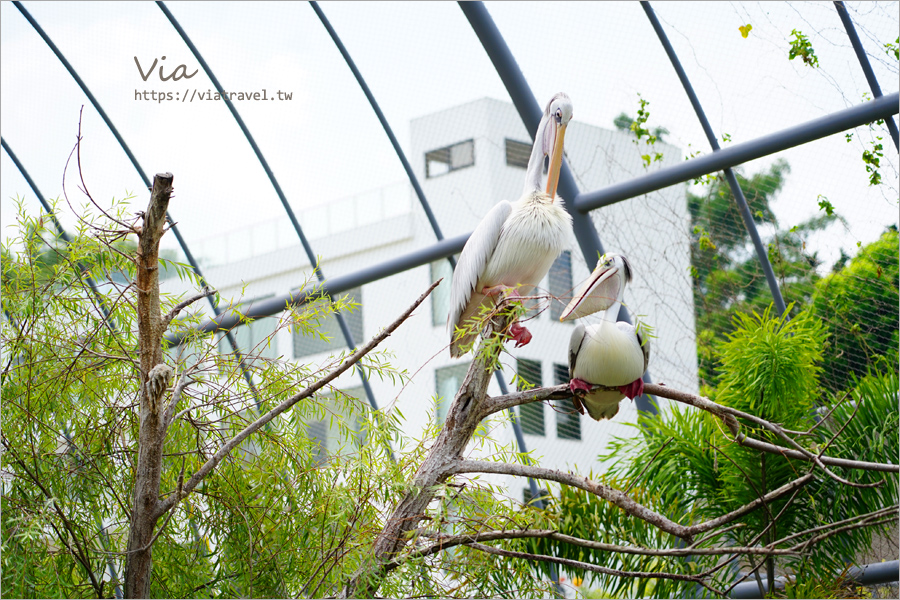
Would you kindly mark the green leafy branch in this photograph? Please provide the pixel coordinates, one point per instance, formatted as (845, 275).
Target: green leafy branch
(801, 46)
(893, 48)
(637, 126)
(872, 159)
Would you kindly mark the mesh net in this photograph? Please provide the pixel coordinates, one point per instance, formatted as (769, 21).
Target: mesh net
(449, 110)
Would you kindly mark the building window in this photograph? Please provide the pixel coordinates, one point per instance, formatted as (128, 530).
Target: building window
(559, 282)
(440, 297)
(531, 416)
(568, 421)
(328, 438)
(318, 433)
(450, 158)
(447, 382)
(306, 344)
(543, 496)
(517, 153)
(251, 339)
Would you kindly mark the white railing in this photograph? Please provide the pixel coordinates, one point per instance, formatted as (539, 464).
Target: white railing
(317, 222)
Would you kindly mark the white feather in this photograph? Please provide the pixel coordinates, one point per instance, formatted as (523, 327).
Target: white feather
(608, 354)
(514, 244)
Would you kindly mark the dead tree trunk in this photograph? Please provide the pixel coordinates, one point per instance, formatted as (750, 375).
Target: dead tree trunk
(155, 377)
(463, 417)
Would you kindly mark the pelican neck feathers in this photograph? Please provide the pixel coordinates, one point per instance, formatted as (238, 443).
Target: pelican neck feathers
(532, 236)
(541, 219)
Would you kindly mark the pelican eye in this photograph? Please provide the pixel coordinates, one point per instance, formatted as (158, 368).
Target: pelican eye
(558, 115)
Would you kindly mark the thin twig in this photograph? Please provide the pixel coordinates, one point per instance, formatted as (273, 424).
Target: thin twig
(874, 514)
(647, 466)
(448, 541)
(206, 291)
(576, 564)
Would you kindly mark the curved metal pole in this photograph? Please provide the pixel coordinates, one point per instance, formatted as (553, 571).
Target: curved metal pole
(384, 124)
(100, 300)
(530, 112)
(736, 190)
(173, 227)
(864, 63)
(345, 330)
(532, 484)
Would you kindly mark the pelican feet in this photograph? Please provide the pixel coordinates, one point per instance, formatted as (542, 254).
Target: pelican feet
(493, 290)
(520, 334)
(576, 401)
(633, 389)
(579, 385)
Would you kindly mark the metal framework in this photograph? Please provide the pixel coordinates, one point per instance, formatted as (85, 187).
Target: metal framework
(578, 203)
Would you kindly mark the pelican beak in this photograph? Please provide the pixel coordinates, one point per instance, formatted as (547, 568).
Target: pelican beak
(556, 156)
(584, 302)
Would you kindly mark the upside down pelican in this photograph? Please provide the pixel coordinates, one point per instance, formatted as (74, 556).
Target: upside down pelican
(516, 242)
(611, 354)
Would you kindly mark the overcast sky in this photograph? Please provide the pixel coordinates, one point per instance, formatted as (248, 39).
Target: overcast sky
(325, 142)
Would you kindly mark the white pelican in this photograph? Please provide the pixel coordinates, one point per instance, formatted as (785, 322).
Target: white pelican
(612, 353)
(516, 242)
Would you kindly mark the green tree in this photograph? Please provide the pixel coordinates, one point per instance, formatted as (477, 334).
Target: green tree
(255, 526)
(728, 278)
(688, 467)
(859, 303)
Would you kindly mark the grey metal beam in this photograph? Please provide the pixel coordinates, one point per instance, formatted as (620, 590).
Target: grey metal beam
(342, 322)
(871, 574)
(332, 287)
(173, 225)
(866, 66)
(536, 501)
(855, 116)
(530, 112)
(410, 174)
(749, 224)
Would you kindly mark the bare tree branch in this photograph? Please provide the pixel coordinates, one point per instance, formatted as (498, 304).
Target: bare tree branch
(463, 417)
(207, 291)
(575, 564)
(875, 514)
(723, 412)
(726, 413)
(624, 502)
(613, 495)
(448, 541)
(871, 522)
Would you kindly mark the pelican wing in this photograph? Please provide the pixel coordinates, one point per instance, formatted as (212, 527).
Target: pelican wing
(575, 347)
(645, 347)
(475, 255)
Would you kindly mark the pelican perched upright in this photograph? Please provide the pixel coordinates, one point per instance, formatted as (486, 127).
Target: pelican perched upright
(612, 353)
(516, 242)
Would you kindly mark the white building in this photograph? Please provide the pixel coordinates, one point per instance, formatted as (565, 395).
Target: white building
(467, 158)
